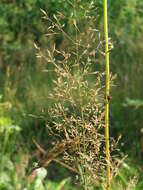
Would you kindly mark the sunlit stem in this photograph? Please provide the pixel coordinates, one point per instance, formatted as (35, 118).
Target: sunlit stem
(107, 93)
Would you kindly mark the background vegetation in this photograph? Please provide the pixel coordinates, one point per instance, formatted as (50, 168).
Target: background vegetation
(25, 87)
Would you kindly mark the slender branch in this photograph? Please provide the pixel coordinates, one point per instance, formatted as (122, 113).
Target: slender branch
(47, 160)
(107, 94)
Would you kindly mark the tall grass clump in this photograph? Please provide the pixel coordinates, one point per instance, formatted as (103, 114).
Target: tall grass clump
(76, 115)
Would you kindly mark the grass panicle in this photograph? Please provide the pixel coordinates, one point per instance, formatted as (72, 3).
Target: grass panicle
(78, 98)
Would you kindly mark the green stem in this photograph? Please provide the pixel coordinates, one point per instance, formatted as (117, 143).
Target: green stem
(107, 94)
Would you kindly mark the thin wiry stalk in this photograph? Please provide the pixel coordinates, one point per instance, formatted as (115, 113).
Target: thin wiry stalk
(107, 93)
(83, 161)
(84, 144)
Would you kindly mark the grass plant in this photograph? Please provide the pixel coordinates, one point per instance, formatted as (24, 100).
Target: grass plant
(76, 116)
(75, 113)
